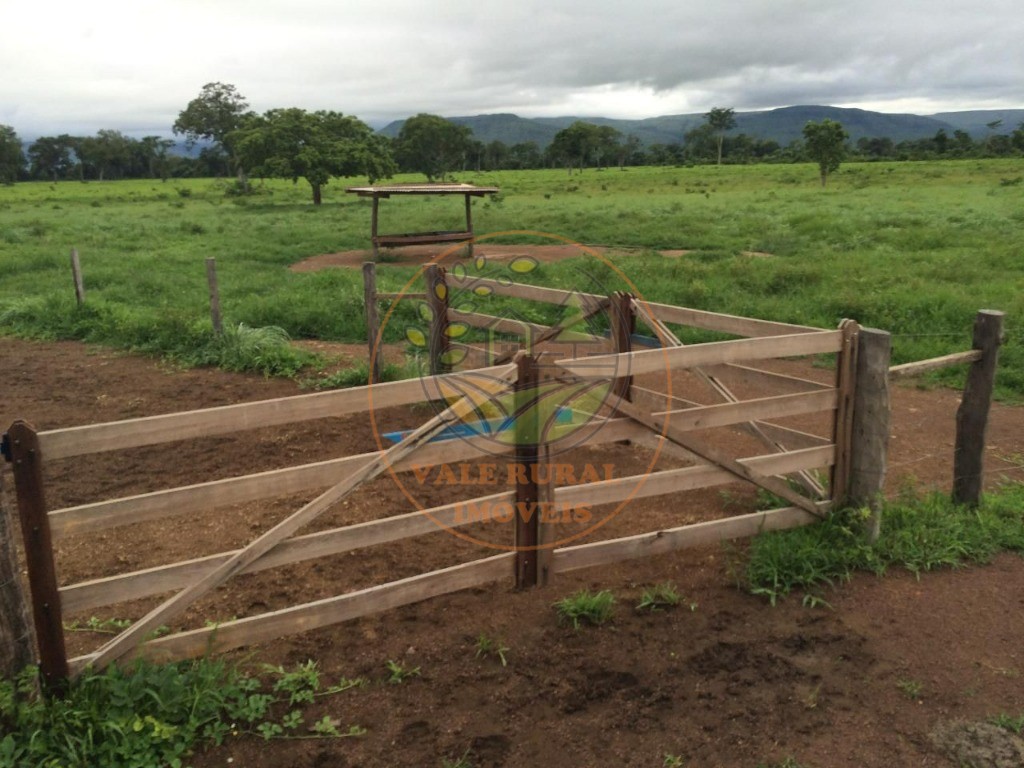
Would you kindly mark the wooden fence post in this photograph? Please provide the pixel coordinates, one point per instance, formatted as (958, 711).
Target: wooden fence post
(76, 274)
(527, 508)
(869, 442)
(842, 435)
(372, 319)
(42, 574)
(17, 642)
(211, 281)
(622, 321)
(972, 415)
(437, 300)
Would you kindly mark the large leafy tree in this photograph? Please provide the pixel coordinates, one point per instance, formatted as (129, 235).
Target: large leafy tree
(12, 158)
(576, 145)
(108, 154)
(826, 145)
(213, 115)
(720, 120)
(50, 157)
(315, 146)
(432, 146)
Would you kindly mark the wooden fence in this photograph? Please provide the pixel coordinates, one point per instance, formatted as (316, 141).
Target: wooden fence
(852, 451)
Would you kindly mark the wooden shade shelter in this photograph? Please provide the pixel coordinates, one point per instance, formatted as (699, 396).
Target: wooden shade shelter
(420, 238)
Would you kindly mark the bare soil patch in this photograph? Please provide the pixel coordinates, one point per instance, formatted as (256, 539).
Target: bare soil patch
(732, 682)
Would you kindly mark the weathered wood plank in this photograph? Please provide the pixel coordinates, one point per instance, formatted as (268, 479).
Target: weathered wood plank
(698, 355)
(520, 290)
(757, 377)
(689, 478)
(934, 363)
(518, 327)
(165, 578)
(716, 321)
(662, 542)
(321, 613)
(745, 411)
(152, 430)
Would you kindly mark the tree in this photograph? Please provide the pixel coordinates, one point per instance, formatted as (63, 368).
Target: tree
(108, 154)
(720, 120)
(699, 143)
(1018, 137)
(432, 146)
(50, 157)
(826, 145)
(575, 145)
(151, 154)
(12, 158)
(213, 115)
(315, 146)
(525, 154)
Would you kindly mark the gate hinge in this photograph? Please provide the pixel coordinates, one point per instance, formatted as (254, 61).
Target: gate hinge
(5, 447)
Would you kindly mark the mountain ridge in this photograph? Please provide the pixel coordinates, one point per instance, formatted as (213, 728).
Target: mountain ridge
(783, 124)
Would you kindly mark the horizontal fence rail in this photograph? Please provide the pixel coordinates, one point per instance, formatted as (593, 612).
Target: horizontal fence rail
(207, 422)
(130, 586)
(320, 613)
(699, 355)
(204, 496)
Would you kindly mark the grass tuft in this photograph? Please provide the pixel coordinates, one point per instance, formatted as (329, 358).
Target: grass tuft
(919, 533)
(585, 607)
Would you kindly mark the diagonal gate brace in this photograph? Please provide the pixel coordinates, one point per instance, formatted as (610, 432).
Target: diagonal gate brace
(123, 644)
(716, 457)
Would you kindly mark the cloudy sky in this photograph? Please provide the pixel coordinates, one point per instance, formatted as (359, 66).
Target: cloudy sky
(133, 65)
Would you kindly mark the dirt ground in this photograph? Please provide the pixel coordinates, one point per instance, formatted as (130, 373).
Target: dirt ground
(890, 675)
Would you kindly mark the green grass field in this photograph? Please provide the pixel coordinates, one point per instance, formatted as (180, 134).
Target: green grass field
(913, 248)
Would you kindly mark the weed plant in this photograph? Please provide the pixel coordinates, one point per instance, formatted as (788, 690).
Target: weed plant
(155, 715)
(659, 597)
(918, 533)
(1009, 722)
(586, 607)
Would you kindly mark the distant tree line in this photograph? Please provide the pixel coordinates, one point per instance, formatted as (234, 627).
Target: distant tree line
(316, 146)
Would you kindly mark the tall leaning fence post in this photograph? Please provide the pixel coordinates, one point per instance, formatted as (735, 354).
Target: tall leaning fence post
(26, 459)
(869, 443)
(972, 415)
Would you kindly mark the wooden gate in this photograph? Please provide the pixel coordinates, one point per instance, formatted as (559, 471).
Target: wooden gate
(659, 419)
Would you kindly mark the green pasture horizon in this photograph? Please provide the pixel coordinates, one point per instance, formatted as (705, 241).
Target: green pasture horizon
(912, 248)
